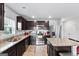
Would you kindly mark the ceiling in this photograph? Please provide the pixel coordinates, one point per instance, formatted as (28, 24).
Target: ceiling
(43, 10)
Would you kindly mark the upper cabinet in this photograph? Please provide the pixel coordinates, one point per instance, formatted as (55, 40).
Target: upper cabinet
(46, 24)
(31, 24)
(21, 23)
(1, 16)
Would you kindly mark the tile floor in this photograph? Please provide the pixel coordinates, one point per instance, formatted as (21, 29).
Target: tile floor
(36, 50)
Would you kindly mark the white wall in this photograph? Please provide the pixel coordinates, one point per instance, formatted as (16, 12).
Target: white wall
(71, 28)
(9, 13)
(54, 26)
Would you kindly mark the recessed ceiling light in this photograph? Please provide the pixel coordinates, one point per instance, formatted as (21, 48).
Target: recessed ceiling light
(49, 17)
(33, 16)
(63, 20)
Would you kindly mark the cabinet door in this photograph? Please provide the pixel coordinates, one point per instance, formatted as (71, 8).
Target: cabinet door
(1, 16)
(27, 42)
(11, 51)
(23, 46)
(20, 48)
(46, 24)
(1, 9)
(52, 50)
(48, 48)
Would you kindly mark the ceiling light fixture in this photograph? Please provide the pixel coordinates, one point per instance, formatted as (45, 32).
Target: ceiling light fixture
(63, 20)
(33, 16)
(49, 17)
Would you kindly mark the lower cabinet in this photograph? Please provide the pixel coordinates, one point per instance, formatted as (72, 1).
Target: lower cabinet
(50, 49)
(18, 49)
(55, 50)
(62, 49)
(27, 42)
(11, 51)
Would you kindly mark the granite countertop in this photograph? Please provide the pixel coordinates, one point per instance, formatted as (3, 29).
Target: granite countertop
(7, 44)
(4, 36)
(62, 42)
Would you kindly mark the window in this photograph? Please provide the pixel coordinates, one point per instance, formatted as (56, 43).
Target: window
(9, 25)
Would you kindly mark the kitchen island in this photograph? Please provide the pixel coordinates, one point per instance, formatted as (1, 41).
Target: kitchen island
(57, 46)
(62, 42)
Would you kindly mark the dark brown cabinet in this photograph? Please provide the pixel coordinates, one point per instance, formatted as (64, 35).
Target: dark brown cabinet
(27, 42)
(19, 48)
(11, 51)
(22, 21)
(55, 50)
(16, 50)
(46, 24)
(29, 25)
(1, 16)
(50, 49)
